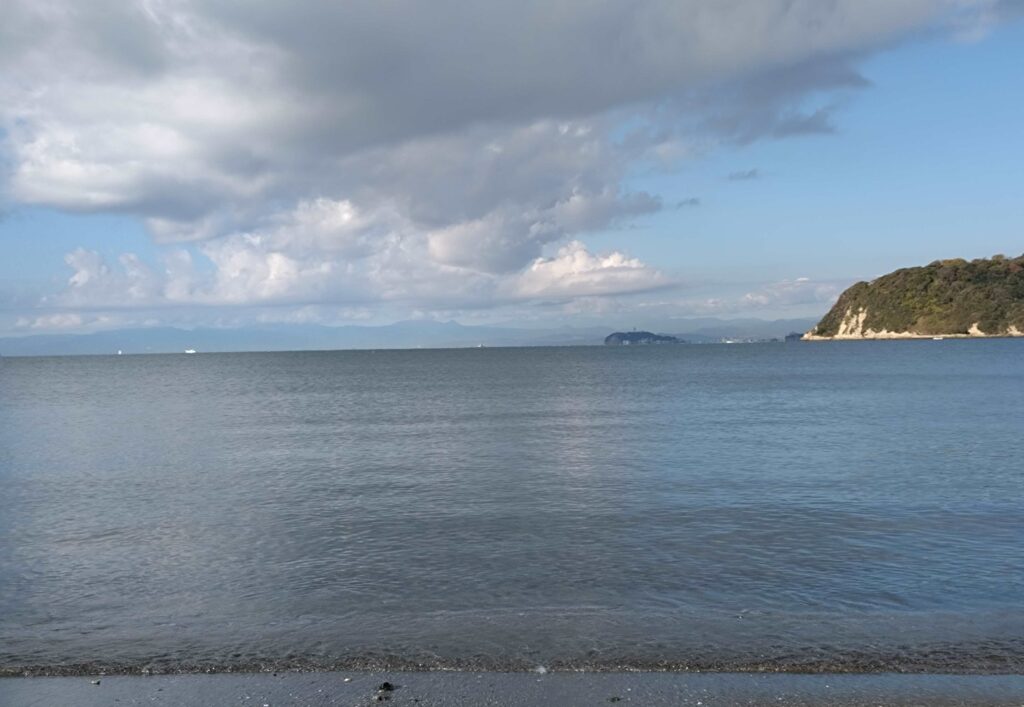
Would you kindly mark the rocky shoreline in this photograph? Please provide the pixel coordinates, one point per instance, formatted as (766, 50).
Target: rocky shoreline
(852, 328)
(899, 335)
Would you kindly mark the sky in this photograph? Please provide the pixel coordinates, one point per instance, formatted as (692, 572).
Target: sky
(229, 164)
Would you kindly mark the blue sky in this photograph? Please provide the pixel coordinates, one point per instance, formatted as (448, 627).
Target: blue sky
(927, 162)
(497, 194)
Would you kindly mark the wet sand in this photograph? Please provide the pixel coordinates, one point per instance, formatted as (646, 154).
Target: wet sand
(467, 688)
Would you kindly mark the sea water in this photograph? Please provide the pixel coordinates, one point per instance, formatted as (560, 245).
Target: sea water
(824, 506)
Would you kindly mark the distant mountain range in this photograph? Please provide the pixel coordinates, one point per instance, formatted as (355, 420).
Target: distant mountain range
(401, 335)
(947, 298)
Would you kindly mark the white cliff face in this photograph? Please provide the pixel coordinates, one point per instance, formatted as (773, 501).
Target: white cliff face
(852, 327)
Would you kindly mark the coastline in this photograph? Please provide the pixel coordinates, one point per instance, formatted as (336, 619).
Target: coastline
(484, 688)
(905, 335)
(984, 658)
(851, 328)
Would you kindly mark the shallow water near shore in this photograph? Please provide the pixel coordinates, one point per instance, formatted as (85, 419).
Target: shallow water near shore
(811, 507)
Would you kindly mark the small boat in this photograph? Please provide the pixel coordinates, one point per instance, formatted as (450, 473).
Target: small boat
(938, 338)
(190, 350)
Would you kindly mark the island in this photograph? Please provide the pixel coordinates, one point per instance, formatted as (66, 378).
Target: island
(628, 338)
(947, 298)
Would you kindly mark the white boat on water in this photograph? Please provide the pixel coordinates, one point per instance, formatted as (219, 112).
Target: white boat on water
(190, 350)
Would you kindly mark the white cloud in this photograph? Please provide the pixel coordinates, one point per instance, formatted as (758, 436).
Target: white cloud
(802, 290)
(575, 272)
(62, 320)
(94, 282)
(320, 253)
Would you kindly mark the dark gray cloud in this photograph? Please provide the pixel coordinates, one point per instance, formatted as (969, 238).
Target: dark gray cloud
(386, 71)
(781, 103)
(266, 87)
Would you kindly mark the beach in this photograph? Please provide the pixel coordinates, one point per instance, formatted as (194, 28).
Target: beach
(512, 689)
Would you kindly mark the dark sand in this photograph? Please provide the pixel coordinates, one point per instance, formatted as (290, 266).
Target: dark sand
(466, 688)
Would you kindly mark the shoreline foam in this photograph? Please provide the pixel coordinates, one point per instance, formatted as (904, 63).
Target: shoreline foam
(944, 659)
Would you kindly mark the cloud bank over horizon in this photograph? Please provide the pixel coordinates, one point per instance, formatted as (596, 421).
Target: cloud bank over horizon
(347, 159)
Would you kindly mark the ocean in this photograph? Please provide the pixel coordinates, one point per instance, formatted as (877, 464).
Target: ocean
(854, 506)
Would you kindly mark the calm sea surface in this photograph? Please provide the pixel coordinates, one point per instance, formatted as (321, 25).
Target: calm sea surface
(846, 506)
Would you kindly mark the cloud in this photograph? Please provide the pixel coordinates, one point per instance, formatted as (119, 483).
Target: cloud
(575, 272)
(330, 252)
(744, 175)
(800, 99)
(177, 109)
(365, 151)
(800, 291)
(94, 282)
(688, 203)
(64, 320)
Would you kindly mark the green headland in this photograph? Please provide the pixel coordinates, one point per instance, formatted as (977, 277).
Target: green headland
(947, 298)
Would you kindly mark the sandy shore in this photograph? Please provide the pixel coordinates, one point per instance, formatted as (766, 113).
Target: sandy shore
(465, 688)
